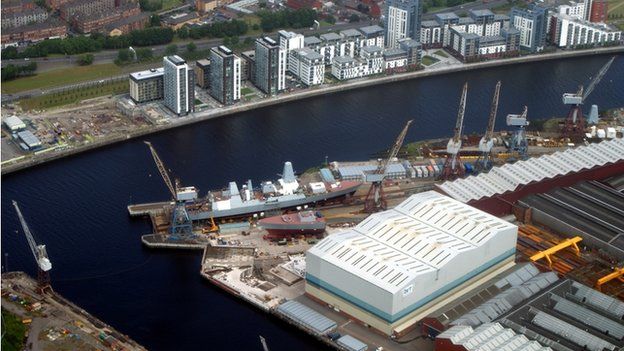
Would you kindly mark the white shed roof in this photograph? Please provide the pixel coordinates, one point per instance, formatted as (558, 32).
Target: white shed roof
(490, 337)
(419, 236)
(508, 177)
(14, 122)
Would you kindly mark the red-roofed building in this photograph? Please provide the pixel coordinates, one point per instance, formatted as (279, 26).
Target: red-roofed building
(599, 9)
(304, 4)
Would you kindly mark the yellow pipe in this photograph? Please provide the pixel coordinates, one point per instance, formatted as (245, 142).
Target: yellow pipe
(566, 243)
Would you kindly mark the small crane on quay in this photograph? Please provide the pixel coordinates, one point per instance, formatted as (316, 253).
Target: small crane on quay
(574, 125)
(39, 252)
(181, 227)
(484, 162)
(375, 199)
(453, 166)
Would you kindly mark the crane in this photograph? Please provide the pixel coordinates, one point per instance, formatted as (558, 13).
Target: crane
(375, 199)
(453, 166)
(181, 225)
(484, 162)
(39, 252)
(574, 125)
(518, 145)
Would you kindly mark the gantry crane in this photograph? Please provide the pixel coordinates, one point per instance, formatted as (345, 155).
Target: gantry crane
(453, 166)
(518, 145)
(39, 252)
(181, 225)
(484, 162)
(375, 199)
(574, 125)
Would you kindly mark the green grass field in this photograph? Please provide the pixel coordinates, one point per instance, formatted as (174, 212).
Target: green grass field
(169, 4)
(441, 53)
(61, 77)
(74, 96)
(428, 60)
(616, 8)
(246, 91)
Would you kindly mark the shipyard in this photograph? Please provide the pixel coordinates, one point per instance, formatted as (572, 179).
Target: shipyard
(351, 175)
(435, 245)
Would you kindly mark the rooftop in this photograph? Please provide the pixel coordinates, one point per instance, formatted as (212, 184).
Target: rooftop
(481, 13)
(429, 23)
(176, 60)
(419, 236)
(509, 177)
(14, 122)
(49, 23)
(180, 18)
(371, 30)
(29, 138)
(395, 52)
(344, 59)
(308, 53)
(371, 49)
(147, 74)
(202, 63)
(311, 40)
(447, 16)
(330, 37)
(350, 33)
(410, 43)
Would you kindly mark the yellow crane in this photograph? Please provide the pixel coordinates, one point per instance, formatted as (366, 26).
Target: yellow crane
(618, 273)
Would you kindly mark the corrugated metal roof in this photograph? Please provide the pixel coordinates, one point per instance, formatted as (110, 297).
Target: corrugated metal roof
(588, 317)
(352, 344)
(571, 332)
(327, 175)
(14, 122)
(490, 337)
(29, 138)
(420, 235)
(596, 299)
(508, 177)
(357, 172)
(307, 316)
(506, 300)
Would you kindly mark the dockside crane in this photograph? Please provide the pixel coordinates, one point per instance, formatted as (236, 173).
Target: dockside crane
(518, 145)
(484, 162)
(181, 225)
(39, 252)
(453, 166)
(574, 125)
(375, 199)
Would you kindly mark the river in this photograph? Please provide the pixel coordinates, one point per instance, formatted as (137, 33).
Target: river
(77, 205)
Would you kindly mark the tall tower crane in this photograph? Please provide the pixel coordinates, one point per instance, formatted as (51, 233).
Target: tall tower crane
(453, 166)
(518, 145)
(181, 225)
(574, 126)
(39, 252)
(484, 162)
(375, 199)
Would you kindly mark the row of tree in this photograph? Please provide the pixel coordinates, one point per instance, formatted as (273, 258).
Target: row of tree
(95, 42)
(214, 30)
(12, 71)
(286, 19)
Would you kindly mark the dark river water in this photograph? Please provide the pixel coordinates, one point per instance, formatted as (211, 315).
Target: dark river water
(77, 206)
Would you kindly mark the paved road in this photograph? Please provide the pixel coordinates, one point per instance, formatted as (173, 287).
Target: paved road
(476, 5)
(108, 56)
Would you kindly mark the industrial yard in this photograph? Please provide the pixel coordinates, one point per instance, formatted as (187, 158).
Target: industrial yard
(53, 323)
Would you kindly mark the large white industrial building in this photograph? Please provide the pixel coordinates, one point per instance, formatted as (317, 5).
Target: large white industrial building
(398, 265)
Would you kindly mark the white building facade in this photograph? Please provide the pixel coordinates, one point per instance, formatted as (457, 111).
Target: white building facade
(178, 85)
(307, 65)
(567, 31)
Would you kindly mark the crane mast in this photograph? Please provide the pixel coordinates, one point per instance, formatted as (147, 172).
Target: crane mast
(484, 162)
(518, 145)
(181, 227)
(574, 125)
(453, 167)
(375, 199)
(39, 253)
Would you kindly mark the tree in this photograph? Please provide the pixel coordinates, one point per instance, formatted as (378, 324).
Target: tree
(255, 26)
(183, 32)
(124, 55)
(171, 49)
(144, 54)
(85, 60)
(154, 21)
(9, 53)
(330, 19)
(191, 47)
(354, 18)
(248, 41)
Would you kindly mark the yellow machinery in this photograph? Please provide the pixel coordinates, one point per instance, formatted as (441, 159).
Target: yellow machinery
(618, 273)
(213, 227)
(566, 243)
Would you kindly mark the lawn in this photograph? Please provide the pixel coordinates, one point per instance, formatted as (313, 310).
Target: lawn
(616, 8)
(74, 96)
(441, 53)
(169, 4)
(61, 77)
(428, 60)
(246, 91)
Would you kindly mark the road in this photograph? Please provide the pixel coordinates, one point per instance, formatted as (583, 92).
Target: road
(476, 5)
(108, 56)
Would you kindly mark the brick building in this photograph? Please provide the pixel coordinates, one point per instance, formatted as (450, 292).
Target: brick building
(34, 32)
(14, 6)
(23, 18)
(599, 9)
(69, 9)
(97, 21)
(127, 25)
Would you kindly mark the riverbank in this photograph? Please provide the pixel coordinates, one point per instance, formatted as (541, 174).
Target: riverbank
(319, 91)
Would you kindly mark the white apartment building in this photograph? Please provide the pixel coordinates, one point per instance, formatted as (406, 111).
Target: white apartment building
(307, 65)
(178, 85)
(567, 31)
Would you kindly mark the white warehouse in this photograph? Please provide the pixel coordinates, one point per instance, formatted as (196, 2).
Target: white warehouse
(397, 266)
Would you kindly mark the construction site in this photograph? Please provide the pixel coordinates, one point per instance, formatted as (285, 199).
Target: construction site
(509, 241)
